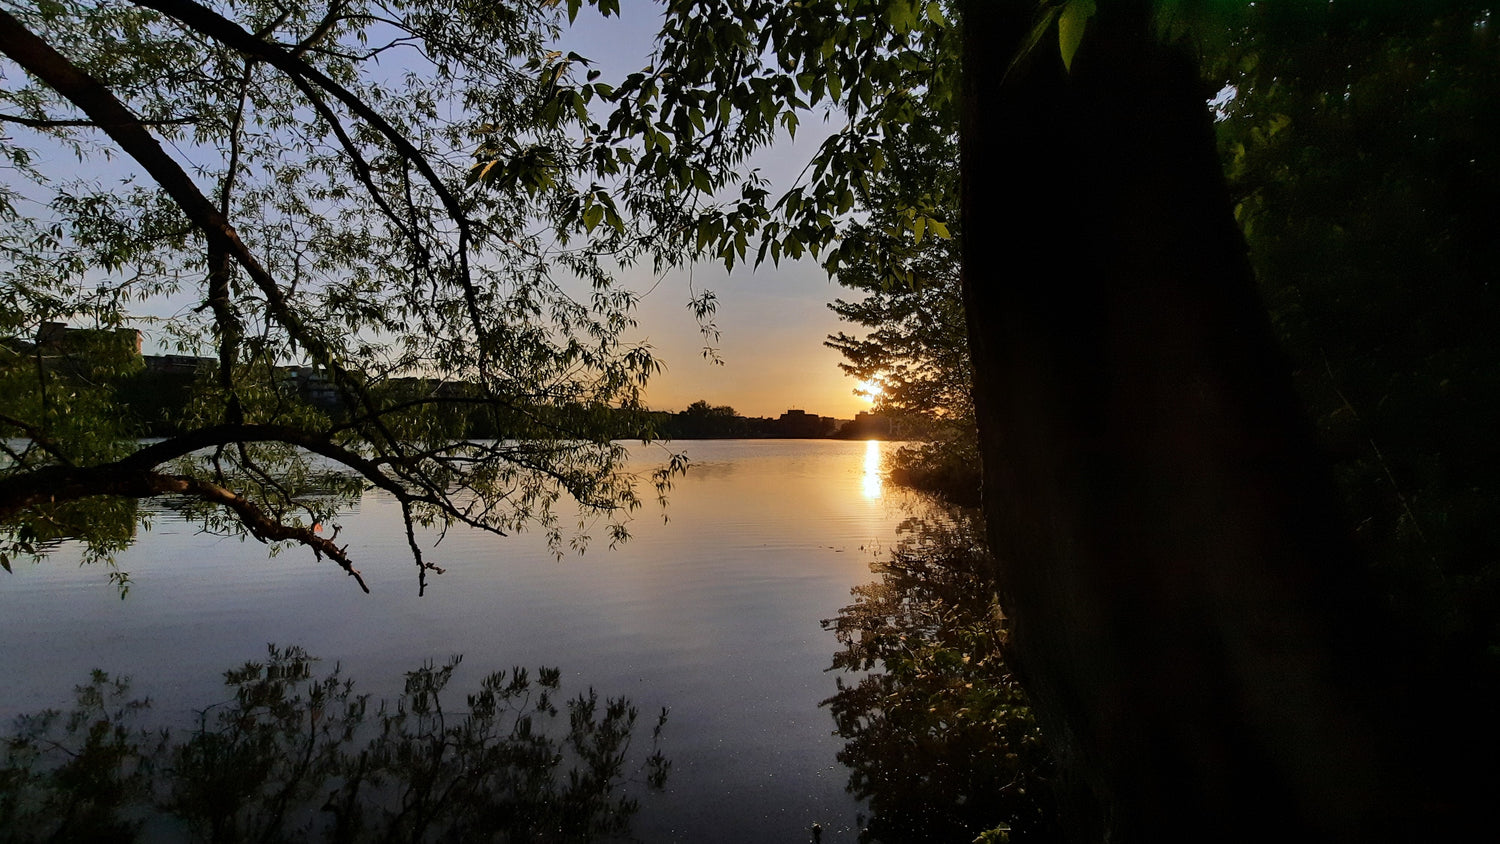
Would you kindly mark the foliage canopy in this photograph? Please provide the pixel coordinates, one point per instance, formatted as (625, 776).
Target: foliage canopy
(1361, 147)
(396, 197)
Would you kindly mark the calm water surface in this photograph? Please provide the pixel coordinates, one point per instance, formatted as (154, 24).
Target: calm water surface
(714, 614)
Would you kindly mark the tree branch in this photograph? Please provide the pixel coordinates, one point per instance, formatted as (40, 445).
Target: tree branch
(357, 161)
(53, 483)
(37, 436)
(44, 123)
(215, 26)
(135, 476)
(261, 526)
(38, 58)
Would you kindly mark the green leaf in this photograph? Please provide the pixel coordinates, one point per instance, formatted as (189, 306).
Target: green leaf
(901, 15)
(1070, 25)
(1043, 23)
(592, 217)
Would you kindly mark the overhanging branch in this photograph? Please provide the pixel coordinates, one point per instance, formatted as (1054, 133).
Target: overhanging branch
(124, 128)
(47, 123)
(136, 476)
(209, 23)
(55, 483)
(255, 520)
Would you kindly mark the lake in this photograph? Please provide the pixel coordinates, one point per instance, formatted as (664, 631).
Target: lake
(714, 613)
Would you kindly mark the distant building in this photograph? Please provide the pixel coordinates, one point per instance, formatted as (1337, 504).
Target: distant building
(54, 338)
(312, 384)
(866, 426)
(431, 388)
(86, 352)
(179, 364)
(799, 424)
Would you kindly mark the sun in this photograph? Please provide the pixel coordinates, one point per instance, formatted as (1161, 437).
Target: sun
(867, 390)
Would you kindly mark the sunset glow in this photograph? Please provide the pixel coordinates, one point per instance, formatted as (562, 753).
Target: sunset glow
(867, 390)
(872, 476)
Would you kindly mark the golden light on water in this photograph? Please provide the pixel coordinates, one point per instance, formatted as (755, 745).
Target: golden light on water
(872, 481)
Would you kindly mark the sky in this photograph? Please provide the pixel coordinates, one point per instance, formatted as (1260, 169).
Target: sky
(772, 321)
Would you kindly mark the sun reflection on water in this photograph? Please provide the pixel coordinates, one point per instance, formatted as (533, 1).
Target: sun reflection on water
(872, 480)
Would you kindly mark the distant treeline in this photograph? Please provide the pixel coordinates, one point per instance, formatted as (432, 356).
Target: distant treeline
(160, 393)
(703, 421)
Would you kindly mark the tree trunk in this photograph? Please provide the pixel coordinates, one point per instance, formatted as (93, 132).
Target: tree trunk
(1187, 608)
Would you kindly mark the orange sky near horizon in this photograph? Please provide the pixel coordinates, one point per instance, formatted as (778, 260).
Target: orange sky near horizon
(772, 323)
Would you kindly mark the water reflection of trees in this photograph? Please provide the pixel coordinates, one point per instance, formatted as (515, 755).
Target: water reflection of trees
(296, 757)
(939, 737)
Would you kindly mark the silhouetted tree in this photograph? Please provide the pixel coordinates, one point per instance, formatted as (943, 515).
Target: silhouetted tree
(1189, 610)
(702, 420)
(290, 200)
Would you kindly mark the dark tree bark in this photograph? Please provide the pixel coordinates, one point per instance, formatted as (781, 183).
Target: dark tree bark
(1188, 609)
